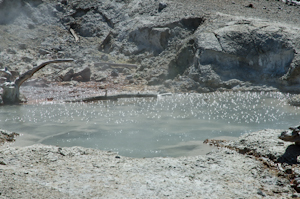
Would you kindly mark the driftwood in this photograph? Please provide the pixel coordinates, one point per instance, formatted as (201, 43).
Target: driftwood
(291, 135)
(11, 93)
(74, 35)
(113, 97)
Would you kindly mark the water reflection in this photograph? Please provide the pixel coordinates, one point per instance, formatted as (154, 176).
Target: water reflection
(149, 127)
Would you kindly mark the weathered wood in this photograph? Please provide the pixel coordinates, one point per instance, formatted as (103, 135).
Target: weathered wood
(25, 76)
(11, 90)
(114, 97)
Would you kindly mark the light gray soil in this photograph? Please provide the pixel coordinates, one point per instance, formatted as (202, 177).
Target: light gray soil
(41, 171)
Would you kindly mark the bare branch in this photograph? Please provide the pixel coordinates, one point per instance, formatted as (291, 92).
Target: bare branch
(22, 78)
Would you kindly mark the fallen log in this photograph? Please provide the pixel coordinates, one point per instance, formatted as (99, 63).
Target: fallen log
(116, 65)
(114, 97)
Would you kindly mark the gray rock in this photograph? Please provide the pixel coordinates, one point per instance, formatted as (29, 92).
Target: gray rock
(295, 100)
(85, 74)
(168, 83)
(246, 50)
(126, 71)
(98, 76)
(262, 143)
(44, 52)
(11, 51)
(66, 74)
(201, 89)
(114, 73)
(22, 46)
(27, 59)
(148, 38)
(161, 6)
(129, 77)
(104, 58)
(154, 81)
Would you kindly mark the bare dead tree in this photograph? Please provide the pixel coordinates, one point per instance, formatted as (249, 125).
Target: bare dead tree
(11, 90)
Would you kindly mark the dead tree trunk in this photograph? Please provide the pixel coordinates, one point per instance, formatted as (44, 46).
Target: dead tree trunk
(11, 90)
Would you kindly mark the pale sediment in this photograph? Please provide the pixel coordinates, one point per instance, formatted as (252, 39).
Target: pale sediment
(76, 172)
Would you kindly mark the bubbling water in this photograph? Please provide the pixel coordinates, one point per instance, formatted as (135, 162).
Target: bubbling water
(148, 127)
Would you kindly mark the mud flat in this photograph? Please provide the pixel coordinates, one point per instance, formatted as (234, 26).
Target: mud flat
(52, 172)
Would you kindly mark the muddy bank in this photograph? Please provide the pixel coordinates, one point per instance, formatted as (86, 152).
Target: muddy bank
(53, 172)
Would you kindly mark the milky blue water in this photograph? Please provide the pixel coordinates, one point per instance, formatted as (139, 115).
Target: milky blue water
(147, 127)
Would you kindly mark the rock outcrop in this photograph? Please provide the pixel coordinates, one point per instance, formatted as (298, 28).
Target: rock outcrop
(198, 51)
(246, 50)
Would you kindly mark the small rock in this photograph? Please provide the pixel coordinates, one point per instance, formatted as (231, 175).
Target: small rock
(296, 195)
(126, 71)
(114, 73)
(22, 46)
(104, 57)
(27, 59)
(259, 192)
(43, 52)
(288, 170)
(11, 51)
(161, 6)
(128, 77)
(2, 163)
(153, 81)
(250, 6)
(202, 89)
(66, 75)
(31, 26)
(65, 2)
(168, 83)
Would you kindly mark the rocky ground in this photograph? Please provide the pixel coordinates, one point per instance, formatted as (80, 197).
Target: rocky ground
(254, 166)
(172, 46)
(167, 46)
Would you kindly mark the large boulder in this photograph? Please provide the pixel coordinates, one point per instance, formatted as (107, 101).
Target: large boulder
(249, 50)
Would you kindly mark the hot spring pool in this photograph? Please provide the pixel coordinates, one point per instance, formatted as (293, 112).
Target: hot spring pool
(148, 127)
